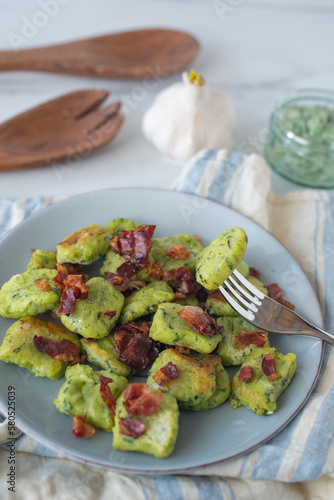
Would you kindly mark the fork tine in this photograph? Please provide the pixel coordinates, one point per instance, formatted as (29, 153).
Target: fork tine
(248, 285)
(240, 298)
(246, 314)
(244, 292)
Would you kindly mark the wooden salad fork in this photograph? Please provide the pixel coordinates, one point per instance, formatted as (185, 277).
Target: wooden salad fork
(266, 313)
(70, 126)
(141, 54)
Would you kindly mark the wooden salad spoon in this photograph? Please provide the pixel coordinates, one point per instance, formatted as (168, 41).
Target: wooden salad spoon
(149, 53)
(67, 128)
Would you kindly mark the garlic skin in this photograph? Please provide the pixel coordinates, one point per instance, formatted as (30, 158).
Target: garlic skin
(188, 116)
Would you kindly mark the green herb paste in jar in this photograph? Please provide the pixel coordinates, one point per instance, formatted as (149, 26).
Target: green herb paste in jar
(300, 143)
(315, 124)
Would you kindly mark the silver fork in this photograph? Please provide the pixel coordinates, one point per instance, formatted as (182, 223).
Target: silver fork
(266, 313)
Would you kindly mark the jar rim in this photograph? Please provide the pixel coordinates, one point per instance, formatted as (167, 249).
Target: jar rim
(323, 95)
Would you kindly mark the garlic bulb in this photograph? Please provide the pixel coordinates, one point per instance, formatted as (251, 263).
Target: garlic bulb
(188, 116)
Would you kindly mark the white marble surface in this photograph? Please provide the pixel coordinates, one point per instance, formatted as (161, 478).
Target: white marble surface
(255, 51)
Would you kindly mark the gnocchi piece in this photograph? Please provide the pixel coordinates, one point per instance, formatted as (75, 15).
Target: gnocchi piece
(169, 328)
(145, 301)
(161, 429)
(195, 383)
(187, 301)
(80, 395)
(121, 224)
(231, 352)
(29, 294)
(42, 259)
(176, 251)
(223, 384)
(221, 257)
(84, 246)
(92, 317)
(101, 353)
(260, 394)
(18, 346)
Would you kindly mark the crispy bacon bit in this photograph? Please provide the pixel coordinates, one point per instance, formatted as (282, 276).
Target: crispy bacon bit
(110, 314)
(200, 320)
(254, 272)
(64, 270)
(179, 295)
(246, 374)
(123, 280)
(268, 367)
(177, 252)
(182, 280)
(114, 279)
(131, 285)
(121, 284)
(107, 395)
(131, 427)
(75, 290)
(156, 271)
(217, 296)
(127, 270)
(64, 350)
(139, 399)
(288, 304)
(196, 237)
(275, 293)
(80, 428)
(42, 284)
(243, 338)
(133, 345)
(134, 245)
(166, 373)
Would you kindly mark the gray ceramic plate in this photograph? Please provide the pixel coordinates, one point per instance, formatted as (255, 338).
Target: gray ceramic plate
(204, 437)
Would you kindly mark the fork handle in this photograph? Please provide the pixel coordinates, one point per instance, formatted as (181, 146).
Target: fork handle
(285, 321)
(307, 328)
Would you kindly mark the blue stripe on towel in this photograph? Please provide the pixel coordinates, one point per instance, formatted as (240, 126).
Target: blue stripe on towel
(40, 449)
(221, 181)
(239, 159)
(226, 170)
(33, 205)
(318, 443)
(244, 463)
(6, 208)
(322, 433)
(142, 484)
(207, 488)
(195, 175)
(328, 253)
(272, 453)
(329, 275)
(230, 488)
(167, 487)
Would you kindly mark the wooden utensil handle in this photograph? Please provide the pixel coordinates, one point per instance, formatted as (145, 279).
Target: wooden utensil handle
(34, 59)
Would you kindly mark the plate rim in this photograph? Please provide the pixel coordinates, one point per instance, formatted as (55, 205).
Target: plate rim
(172, 470)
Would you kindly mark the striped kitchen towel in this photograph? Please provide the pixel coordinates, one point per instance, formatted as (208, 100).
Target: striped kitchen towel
(304, 450)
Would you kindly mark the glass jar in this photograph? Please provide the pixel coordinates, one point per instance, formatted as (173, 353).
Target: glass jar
(300, 141)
